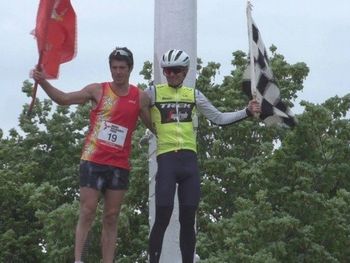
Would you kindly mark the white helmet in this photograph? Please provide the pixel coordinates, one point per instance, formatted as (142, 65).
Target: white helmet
(175, 58)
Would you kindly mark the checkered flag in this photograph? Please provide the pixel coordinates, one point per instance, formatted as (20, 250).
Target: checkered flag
(259, 83)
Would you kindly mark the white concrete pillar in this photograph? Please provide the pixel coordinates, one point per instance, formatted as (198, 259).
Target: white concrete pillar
(175, 27)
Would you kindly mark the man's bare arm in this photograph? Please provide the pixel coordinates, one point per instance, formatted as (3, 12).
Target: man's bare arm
(145, 114)
(90, 92)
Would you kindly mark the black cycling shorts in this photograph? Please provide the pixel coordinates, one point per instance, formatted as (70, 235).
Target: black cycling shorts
(102, 177)
(180, 167)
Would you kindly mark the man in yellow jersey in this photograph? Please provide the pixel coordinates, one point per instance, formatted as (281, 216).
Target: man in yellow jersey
(104, 166)
(172, 109)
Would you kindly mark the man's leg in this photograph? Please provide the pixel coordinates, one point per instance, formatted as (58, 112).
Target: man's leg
(88, 204)
(161, 222)
(113, 200)
(187, 217)
(189, 195)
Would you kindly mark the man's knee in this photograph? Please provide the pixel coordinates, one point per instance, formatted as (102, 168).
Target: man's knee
(110, 217)
(187, 215)
(87, 214)
(163, 215)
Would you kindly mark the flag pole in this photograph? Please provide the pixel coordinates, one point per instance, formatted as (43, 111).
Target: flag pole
(251, 55)
(38, 66)
(35, 88)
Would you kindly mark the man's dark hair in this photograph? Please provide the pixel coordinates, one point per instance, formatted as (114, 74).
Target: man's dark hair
(122, 54)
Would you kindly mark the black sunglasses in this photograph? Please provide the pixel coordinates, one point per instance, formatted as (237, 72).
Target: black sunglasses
(121, 52)
(175, 70)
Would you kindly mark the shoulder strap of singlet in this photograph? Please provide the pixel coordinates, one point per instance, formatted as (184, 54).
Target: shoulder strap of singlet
(104, 86)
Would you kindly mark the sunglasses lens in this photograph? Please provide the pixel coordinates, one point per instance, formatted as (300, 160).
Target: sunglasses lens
(172, 70)
(167, 71)
(121, 52)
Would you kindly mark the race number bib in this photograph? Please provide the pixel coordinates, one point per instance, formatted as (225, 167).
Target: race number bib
(112, 134)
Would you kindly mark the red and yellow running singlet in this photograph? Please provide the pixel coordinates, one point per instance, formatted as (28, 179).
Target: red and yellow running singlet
(112, 123)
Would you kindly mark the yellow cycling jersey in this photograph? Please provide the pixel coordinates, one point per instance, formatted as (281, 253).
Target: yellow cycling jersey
(172, 115)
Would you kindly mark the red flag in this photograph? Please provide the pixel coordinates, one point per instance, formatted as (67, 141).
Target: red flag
(55, 32)
(56, 35)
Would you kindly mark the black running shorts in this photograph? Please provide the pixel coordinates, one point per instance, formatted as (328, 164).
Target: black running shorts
(102, 177)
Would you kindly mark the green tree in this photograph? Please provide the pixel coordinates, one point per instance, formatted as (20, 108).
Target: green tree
(269, 194)
(272, 194)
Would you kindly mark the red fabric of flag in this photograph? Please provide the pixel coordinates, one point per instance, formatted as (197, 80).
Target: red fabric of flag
(56, 35)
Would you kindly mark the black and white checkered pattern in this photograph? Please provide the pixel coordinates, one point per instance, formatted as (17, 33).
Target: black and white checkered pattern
(266, 91)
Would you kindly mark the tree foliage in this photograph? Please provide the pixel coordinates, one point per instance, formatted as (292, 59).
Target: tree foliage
(269, 194)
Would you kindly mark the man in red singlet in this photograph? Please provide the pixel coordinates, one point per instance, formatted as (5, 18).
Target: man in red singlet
(104, 162)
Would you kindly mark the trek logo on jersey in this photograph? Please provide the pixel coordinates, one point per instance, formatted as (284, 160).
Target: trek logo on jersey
(172, 105)
(175, 112)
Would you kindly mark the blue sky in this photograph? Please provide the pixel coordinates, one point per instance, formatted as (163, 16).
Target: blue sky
(314, 32)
